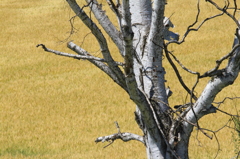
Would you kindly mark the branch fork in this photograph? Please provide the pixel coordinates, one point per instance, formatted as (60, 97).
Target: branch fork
(126, 136)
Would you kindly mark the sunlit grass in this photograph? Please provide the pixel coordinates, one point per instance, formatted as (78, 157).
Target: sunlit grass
(55, 107)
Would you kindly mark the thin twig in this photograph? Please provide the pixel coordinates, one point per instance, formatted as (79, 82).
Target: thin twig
(71, 20)
(224, 10)
(116, 123)
(191, 105)
(218, 145)
(215, 70)
(235, 7)
(177, 73)
(230, 98)
(180, 64)
(190, 29)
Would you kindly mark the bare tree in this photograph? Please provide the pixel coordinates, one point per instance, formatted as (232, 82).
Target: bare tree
(143, 39)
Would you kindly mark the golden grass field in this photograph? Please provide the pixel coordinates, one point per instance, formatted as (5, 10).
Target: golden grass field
(54, 107)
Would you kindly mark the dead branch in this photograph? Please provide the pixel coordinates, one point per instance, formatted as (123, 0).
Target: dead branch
(215, 135)
(196, 29)
(98, 62)
(219, 103)
(190, 27)
(116, 9)
(235, 8)
(231, 98)
(191, 106)
(215, 70)
(99, 37)
(122, 136)
(224, 10)
(79, 57)
(180, 64)
(218, 145)
(106, 23)
(178, 74)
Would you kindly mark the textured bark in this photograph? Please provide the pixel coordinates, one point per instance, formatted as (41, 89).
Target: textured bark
(140, 40)
(107, 25)
(154, 144)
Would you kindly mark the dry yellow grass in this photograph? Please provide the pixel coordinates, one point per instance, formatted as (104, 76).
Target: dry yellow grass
(54, 107)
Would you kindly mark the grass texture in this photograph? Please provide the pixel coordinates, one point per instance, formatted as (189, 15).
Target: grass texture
(55, 107)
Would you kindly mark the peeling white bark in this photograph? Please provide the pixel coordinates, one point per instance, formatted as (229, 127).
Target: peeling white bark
(143, 29)
(107, 25)
(154, 81)
(142, 25)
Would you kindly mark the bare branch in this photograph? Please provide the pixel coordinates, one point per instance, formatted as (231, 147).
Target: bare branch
(226, 113)
(224, 10)
(129, 52)
(153, 54)
(219, 103)
(180, 64)
(215, 71)
(113, 7)
(123, 136)
(218, 130)
(116, 10)
(204, 105)
(215, 85)
(87, 56)
(218, 145)
(181, 118)
(191, 106)
(100, 38)
(235, 8)
(186, 88)
(196, 29)
(155, 37)
(190, 27)
(230, 98)
(100, 65)
(107, 25)
(177, 73)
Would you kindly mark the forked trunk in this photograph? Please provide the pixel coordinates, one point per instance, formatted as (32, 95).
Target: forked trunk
(140, 40)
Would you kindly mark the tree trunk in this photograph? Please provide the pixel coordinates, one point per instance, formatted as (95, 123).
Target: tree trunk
(140, 40)
(149, 73)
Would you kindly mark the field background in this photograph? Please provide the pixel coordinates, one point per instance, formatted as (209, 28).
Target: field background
(55, 107)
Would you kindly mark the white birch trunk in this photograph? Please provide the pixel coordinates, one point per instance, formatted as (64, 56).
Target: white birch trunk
(148, 69)
(140, 42)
